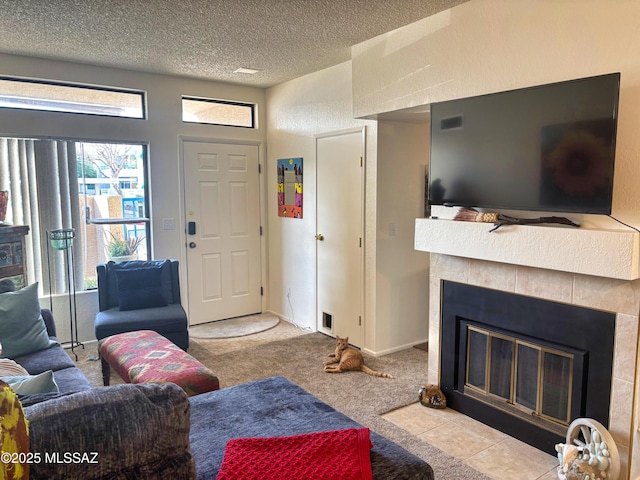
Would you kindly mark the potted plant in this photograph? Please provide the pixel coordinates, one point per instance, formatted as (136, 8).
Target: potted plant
(120, 250)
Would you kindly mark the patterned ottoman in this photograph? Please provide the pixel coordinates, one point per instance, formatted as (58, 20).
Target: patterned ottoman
(146, 356)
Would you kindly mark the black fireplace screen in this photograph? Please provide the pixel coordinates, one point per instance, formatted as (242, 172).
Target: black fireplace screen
(523, 365)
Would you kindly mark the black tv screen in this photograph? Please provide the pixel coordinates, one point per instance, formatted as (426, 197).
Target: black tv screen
(545, 148)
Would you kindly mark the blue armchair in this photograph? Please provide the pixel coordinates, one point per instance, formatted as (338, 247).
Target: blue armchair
(141, 295)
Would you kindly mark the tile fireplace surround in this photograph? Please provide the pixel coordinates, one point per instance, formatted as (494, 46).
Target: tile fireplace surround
(462, 252)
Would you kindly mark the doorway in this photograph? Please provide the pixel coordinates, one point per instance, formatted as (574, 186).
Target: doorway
(339, 239)
(222, 215)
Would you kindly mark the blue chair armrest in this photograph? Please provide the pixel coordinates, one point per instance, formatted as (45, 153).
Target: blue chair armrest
(103, 287)
(175, 281)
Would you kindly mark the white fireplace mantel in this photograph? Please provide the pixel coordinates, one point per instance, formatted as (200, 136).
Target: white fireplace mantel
(603, 253)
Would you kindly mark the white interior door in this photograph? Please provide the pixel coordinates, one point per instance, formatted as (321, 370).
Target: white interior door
(222, 211)
(339, 235)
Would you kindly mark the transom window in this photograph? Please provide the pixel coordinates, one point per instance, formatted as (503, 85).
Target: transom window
(218, 112)
(59, 97)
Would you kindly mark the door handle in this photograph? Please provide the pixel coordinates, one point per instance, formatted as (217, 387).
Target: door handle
(192, 244)
(319, 237)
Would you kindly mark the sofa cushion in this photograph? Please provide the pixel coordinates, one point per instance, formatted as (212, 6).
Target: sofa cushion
(22, 328)
(71, 380)
(129, 431)
(112, 279)
(32, 384)
(54, 358)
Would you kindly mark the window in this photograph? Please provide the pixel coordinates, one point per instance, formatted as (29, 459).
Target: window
(98, 189)
(60, 97)
(218, 112)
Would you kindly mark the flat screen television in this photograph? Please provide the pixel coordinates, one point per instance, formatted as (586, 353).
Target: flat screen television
(544, 148)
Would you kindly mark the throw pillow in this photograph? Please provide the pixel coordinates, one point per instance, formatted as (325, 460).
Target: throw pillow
(22, 328)
(32, 384)
(14, 436)
(112, 280)
(140, 288)
(9, 368)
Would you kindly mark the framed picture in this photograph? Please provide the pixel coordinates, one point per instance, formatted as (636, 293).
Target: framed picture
(290, 187)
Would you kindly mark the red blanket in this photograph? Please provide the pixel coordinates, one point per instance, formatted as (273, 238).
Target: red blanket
(332, 455)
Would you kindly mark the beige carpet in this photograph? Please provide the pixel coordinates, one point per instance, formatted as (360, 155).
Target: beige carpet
(235, 327)
(293, 353)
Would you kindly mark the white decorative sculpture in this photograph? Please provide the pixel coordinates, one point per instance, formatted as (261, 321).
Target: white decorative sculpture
(589, 453)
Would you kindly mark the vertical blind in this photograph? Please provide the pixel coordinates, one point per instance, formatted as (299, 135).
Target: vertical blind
(41, 178)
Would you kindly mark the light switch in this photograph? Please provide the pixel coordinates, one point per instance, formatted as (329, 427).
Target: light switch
(168, 224)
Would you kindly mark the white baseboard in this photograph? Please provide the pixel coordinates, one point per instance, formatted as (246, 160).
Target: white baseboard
(394, 349)
(288, 320)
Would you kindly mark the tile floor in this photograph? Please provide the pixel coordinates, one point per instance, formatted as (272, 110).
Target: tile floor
(489, 451)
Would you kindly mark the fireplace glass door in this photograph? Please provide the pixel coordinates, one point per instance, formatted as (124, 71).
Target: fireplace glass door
(519, 374)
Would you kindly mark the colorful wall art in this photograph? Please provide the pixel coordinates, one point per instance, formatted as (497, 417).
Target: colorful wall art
(290, 187)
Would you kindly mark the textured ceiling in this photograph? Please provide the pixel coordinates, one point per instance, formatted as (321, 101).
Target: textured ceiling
(207, 39)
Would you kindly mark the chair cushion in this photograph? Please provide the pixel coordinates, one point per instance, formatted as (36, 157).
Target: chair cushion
(112, 279)
(171, 318)
(140, 288)
(22, 329)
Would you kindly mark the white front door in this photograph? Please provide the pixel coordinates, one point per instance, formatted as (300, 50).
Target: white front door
(222, 212)
(339, 235)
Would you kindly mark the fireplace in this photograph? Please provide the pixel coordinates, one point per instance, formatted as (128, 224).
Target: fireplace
(524, 365)
(593, 268)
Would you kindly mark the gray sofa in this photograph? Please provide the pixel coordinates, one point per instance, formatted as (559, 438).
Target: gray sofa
(152, 431)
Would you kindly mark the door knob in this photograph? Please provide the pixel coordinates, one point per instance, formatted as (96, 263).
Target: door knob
(192, 244)
(319, 237)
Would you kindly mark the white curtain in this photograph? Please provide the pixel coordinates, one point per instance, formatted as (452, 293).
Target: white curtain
(41, 177)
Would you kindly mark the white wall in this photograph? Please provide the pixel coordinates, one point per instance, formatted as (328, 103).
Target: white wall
(485, 46)
(161, 131)
(396, 277)
(297, 111)
(402, 280)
